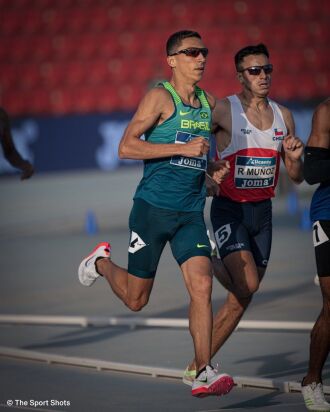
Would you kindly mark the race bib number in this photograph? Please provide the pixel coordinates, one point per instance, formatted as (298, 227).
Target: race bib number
(254, 172)
(319, 235)
(198, 163)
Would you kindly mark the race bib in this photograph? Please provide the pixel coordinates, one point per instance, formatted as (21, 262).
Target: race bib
(198, 163)
(254, 172)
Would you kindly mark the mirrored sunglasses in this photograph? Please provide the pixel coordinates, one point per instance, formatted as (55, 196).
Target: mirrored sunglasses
(256, 70)
(192, 52)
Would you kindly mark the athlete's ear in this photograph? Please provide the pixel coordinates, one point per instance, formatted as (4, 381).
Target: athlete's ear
(171, 61)
(240, 77)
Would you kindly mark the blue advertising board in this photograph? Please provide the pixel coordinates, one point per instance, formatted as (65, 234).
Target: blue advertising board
(86, 142)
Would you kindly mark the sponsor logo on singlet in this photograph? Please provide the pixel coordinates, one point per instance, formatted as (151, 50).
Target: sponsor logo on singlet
(184, 113)
(254, 172)
(198, 163)
(246, 131)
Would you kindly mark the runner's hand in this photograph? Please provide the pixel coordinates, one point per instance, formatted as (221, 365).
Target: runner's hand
(219, 170)
(293, 147)
(196, 147)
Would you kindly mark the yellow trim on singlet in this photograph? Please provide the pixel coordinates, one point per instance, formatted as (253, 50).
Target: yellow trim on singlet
(199, 93)
(173, 92)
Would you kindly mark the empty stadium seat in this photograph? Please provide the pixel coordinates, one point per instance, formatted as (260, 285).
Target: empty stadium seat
(40, 47)
(61, 101)
(10, 23)
(16, 49)
(15, 106)
(106, 99)
(87, 46)
(116, 50)
(108, 46)
(8, 76)
(129, 95)
(30, 79)
(98, 72)
(65, 47)
(52, 75)
(38, 101)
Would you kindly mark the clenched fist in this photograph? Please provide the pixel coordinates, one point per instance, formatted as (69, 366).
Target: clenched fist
(196, 147)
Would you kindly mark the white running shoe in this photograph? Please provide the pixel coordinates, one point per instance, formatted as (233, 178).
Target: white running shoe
(209, 382)
(314, 398)
(87, 272)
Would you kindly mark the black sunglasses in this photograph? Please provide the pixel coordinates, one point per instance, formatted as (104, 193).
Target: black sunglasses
(192, 52)
(256, 70)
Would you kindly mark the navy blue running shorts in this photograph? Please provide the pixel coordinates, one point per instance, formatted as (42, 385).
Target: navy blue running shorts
(152, 227)
(243, 226)
(321, 241)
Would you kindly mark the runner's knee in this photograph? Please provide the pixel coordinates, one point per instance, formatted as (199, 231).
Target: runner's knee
(253, 287)
(246, 292)
(201, 288)
(137, 304)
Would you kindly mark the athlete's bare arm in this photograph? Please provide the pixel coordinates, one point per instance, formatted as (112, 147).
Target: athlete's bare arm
(221, 124)
(154, 109)
(9, 150)
(320, 134)
(292, 149)
(317, 161)
(219, 169)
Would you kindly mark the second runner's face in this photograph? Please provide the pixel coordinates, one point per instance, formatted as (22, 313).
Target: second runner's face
(188, 66)
(259, 84)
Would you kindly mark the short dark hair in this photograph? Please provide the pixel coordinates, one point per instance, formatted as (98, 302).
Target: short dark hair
(247, 51)
(176, 38)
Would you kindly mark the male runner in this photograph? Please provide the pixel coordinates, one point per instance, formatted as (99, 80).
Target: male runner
(9, 150)
(169, 201)
(317, 170)
(252, 133)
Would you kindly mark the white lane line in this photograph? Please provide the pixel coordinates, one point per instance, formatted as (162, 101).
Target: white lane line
(145, 322)
(240, 381)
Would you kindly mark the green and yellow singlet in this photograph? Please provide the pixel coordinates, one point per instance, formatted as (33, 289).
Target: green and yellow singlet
(177, 182)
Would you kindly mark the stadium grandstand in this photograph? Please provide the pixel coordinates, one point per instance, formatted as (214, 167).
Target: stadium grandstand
(98, 56)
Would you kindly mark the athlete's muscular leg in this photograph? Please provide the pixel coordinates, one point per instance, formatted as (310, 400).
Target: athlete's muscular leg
(239, 272)
(241, 277)
(320, 337)
(132, 290)
(244, 277)
(197, 275)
